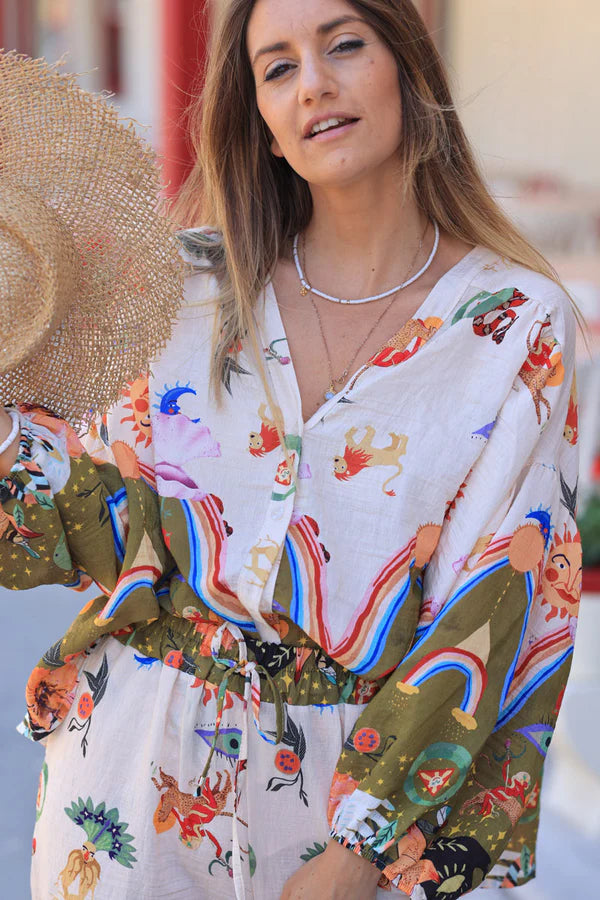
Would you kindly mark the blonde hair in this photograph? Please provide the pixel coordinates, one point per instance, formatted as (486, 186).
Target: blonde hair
(256, 201)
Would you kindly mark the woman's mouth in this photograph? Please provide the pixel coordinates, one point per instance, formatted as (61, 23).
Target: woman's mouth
(331, 127)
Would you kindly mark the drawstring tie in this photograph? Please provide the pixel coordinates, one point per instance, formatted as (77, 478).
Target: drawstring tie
(251, 671)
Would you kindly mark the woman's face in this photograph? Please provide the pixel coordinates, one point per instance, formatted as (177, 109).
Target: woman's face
(318, 65)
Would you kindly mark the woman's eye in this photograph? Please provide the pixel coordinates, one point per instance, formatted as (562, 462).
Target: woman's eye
(347, 46)
(343, 47)
(277, 71)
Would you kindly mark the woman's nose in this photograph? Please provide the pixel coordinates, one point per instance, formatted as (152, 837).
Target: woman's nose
(316, 81)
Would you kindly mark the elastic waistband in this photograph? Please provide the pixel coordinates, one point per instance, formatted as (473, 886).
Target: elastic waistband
(302, 675)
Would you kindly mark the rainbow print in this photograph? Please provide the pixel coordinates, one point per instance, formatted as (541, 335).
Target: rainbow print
(362, 643)
(469, 658)
(533, 664)
(207, 543)
(134, 579)
(116, 505)
(142, 575)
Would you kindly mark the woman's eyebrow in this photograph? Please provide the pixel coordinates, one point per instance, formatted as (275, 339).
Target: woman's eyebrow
(322, 29)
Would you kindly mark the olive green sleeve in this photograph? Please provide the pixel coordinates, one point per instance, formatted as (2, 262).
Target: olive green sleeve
(438, 783)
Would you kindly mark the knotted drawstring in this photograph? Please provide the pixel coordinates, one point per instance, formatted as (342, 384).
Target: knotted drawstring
(251, 670)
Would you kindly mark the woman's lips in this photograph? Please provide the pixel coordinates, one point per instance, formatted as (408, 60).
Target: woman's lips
(333, 133)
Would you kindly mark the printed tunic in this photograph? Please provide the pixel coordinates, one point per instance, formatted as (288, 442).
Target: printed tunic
(412, 552)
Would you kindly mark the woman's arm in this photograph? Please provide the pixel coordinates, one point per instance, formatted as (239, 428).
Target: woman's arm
(75, 512)
(448, 780)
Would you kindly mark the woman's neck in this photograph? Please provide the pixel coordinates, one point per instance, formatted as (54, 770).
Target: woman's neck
(362, 239)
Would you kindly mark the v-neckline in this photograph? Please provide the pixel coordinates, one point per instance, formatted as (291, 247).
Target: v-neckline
(458, 273)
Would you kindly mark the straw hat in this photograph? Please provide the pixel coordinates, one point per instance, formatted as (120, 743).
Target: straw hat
(90, 274)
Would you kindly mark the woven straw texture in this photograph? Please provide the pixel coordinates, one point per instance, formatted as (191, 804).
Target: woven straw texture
(90, 275)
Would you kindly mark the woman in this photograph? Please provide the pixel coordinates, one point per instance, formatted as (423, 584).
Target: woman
(334, 528)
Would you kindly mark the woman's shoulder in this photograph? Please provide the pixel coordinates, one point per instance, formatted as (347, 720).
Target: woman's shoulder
(499, 273)
(202, 252)
(540, 294)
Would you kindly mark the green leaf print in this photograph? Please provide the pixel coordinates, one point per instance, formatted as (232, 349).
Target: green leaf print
(43, 500)
(313, 851)
(19, 515)
(61, 555)
(385, 835)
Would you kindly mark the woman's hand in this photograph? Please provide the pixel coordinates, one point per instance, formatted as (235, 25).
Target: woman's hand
(336, 874)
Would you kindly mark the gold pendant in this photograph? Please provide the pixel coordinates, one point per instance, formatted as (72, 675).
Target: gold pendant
(304, 291)
(331, 392)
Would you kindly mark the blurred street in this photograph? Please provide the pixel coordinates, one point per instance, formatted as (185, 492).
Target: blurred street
(529, 118)
(570, 833)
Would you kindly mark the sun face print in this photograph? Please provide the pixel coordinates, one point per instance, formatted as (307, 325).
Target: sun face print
(139, 404)
(561, 582)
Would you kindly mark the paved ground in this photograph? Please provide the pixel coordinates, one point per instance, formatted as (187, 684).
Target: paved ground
(570, 834)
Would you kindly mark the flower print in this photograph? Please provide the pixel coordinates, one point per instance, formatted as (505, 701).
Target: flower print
(49, 694)
(88, 701)
(85, 706)
(366, 740)
(174, 658)
(287, 762)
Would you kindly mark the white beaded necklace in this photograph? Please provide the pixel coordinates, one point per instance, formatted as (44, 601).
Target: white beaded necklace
(305, 287)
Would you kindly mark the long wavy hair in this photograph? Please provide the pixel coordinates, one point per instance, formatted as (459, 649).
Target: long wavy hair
(257, 203)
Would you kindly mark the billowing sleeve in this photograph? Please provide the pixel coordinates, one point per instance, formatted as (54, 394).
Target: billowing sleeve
(83, 509)
(438, 784)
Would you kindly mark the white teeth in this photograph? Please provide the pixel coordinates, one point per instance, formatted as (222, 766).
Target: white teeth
(327, 123)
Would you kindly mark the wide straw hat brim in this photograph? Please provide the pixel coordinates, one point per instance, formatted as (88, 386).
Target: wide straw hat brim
(91, 279)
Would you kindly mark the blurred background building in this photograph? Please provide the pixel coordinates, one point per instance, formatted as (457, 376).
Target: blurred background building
(527, 84)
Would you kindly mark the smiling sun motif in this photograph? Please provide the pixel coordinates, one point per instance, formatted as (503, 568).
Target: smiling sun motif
(561, 582)
(139, 404)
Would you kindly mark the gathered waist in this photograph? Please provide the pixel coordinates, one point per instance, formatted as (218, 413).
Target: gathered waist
(301, 674)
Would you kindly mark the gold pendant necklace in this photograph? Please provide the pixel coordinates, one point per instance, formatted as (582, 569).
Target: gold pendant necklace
(330, 393)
